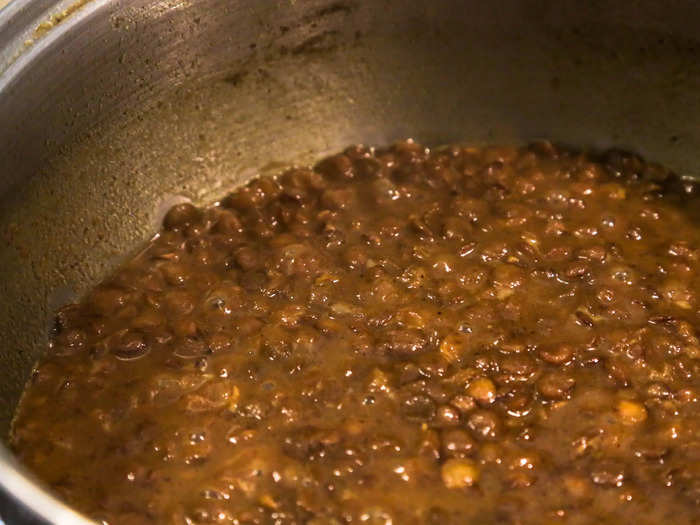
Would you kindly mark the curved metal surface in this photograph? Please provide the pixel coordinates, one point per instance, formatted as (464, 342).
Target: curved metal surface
(24, 502)
(125, 103)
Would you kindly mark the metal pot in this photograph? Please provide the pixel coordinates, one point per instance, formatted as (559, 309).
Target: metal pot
(111, 109)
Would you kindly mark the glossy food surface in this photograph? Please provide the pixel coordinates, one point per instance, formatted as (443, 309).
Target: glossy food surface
(399, 336)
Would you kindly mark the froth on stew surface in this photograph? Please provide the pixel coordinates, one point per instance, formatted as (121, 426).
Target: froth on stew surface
(397, 336)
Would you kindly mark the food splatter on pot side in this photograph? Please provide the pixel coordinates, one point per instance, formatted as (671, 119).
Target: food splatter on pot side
(465, 335)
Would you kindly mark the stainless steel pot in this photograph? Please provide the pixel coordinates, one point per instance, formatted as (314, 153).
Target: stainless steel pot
(110, 109)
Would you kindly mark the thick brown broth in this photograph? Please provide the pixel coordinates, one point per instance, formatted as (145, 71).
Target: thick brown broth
(469, 335)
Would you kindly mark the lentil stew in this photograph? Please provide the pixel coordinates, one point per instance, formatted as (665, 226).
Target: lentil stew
(466, 335)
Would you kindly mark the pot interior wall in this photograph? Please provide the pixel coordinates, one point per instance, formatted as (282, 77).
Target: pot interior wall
(126, 105)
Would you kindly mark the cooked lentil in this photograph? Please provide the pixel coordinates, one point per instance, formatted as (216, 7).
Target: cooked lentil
(469, 335)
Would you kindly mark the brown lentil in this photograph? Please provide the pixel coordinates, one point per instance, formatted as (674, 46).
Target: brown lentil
(466, 335)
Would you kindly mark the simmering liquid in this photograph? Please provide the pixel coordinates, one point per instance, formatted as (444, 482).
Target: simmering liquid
(396, 336)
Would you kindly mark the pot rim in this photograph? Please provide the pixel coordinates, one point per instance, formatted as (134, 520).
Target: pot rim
(30, 499)
(28, 27)
(23, 499)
